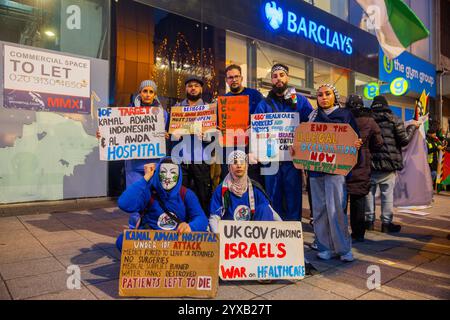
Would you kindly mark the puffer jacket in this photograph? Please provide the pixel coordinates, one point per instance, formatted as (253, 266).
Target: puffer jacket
(358, 183)
(389, 157)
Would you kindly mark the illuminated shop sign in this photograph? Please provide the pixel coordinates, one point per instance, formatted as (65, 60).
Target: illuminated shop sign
(306, 27)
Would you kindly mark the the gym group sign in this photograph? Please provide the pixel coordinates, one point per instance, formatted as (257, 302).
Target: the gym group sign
(42, 81)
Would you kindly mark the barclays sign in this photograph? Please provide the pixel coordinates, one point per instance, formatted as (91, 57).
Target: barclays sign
(294, 23)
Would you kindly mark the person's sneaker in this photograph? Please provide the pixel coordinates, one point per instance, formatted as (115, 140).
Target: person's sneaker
(325, 255)
(348, 257)
(314, 246)
(369, 226)
(390, 227)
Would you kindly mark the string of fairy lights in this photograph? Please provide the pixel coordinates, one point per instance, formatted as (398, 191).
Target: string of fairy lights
(175, 64)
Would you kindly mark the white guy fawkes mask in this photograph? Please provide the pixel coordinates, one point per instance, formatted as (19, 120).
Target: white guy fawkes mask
(168, 175)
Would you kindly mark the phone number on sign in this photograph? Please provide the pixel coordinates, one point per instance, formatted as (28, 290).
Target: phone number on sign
(47, 81)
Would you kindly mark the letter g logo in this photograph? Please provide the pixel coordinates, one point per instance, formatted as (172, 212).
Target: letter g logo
(388, 65)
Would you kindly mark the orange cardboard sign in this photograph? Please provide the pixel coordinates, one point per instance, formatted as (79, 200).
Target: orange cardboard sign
(233, 120)
(325, 147)
(159, 263)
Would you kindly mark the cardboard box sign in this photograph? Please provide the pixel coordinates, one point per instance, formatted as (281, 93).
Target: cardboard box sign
(325, 147)
(158, 263)
(193, 119)
(233, 120)
(131, 133)
(254, 250)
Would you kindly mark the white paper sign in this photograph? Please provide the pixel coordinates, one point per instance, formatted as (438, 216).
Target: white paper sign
(254, 250)
(272, 134)
(131, 133)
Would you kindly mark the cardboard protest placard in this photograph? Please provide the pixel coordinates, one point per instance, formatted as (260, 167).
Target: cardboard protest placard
(131, 133)
(233, 117)
(272, 134)
(193, 119)
(253, 250)
(325, 147)
(159, 263)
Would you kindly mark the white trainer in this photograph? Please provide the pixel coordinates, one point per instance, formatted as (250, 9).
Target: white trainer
(348, 257)
(325, 255)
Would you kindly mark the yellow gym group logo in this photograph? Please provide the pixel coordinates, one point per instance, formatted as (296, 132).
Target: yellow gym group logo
(388, 64)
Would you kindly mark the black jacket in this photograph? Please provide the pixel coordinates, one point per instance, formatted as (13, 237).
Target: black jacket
(359, 182)
(389, 157)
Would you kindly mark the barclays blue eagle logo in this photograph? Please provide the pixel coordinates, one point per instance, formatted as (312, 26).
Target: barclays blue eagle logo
(274, 15)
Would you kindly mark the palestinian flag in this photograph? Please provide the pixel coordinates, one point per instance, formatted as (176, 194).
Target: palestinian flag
(421, 109)
(396, 25)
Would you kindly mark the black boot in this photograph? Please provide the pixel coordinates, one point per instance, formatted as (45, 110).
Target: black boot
(390, 227)
(369, 226)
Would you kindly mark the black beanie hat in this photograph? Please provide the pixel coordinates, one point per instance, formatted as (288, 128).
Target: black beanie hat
(354, 101)
(379, 101)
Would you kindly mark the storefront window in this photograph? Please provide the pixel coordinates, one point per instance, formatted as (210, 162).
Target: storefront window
(325, 73)
(268, 55)
(75, 26)
(236, 53)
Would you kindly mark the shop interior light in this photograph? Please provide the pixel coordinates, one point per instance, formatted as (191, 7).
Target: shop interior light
(49, 33)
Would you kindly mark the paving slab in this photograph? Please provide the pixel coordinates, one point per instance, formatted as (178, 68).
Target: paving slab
(90, 258)
(9, 224)
(59, 237)
(75, 294)
(387, 293)
(260, 289)
(100, 273)
(19, 254)
(30, 268)
(4, 294)
(340, 283)
(421, 285)
(439, 268)
(107, 290)
(27, 287)
(301, 291)
(71, 248)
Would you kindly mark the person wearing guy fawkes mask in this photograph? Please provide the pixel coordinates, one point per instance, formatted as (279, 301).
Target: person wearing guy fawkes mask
(285, 187)
(162, 201)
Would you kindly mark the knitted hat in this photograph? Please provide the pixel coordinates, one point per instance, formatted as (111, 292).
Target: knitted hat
(148, 83)
(379, 101)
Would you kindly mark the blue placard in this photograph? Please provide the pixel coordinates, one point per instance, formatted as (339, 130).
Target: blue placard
(419, 73)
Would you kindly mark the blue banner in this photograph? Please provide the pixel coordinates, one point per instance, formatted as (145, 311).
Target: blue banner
(419, 73)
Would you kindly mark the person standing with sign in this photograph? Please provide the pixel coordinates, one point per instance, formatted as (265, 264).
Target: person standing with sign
(234, 80)
(162, 201)
(285, 187)
(238, 197)
(328, 190)
(134, 169)
(196, 171)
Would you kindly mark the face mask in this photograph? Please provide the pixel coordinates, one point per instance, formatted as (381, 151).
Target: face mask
(168, 175)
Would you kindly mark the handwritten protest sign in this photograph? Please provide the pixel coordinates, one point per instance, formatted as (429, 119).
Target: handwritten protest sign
(233, 116)
(169, 264)
(131, 133)
(272, 134)
(325, 147)
(252, 250)
(192, 120)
